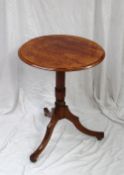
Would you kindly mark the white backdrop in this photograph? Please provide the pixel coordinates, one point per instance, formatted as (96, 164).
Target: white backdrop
(97, 96)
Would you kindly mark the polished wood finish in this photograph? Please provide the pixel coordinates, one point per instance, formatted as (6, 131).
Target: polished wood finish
(61, 53)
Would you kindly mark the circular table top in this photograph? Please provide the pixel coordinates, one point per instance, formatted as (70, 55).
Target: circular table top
(61, 53)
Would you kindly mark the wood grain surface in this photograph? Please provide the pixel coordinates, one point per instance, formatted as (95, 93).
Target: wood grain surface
(61, 53)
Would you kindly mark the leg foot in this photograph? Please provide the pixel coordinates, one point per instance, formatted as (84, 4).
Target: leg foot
(47, 113)
(33, 158)
(45, 141)
(100, 136)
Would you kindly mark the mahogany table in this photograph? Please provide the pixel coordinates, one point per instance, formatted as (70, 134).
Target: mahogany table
(61, 53)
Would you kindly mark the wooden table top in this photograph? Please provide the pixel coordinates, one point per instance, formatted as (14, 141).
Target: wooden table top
(61, 53)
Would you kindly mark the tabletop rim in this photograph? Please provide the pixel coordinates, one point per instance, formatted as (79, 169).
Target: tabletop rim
(61, 69)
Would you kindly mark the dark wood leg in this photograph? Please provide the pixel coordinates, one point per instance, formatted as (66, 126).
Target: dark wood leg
(46, 139)
(75, 120)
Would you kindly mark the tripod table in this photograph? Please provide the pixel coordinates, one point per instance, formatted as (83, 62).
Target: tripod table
(61, 53)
